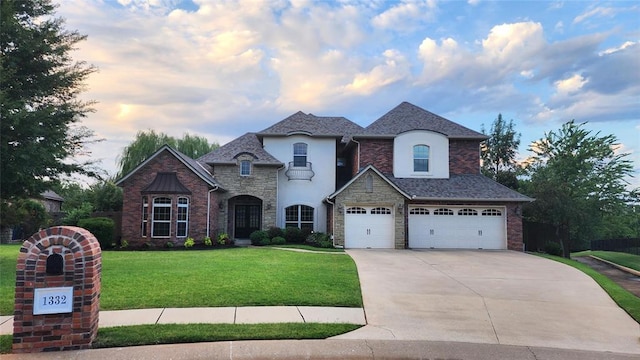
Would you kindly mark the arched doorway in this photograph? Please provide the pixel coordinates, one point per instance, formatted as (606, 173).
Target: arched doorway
(247, 215)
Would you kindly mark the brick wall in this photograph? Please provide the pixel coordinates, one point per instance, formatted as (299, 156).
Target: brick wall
(132, 203)
(464, 157)
(357, 194)
(377, 152)
(81, 267)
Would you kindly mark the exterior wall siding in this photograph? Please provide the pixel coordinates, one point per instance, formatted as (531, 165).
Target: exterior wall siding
(132, 203)
(464, 157)
(357, 194)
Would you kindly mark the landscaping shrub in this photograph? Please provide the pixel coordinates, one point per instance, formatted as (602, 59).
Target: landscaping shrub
(257, 237)
(223, 239)
(553, 248)
(102, 228)
(294, 235)
(278, 240)
(207, 241)
(265, 241)
(74, 216)
(274, 232)
(169, 245)
(189, 243)
(320, 240)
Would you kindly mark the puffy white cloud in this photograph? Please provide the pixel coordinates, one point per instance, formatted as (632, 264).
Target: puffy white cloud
(395, 68)
(405, 15)
(570, 85)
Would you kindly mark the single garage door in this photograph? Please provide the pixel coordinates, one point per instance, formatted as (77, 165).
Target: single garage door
(369, 227)
(457, 228)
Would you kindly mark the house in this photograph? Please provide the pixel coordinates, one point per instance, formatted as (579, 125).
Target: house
(411, 179)
(51, 201)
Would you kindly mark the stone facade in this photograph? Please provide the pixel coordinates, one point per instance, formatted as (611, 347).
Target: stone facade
(78, 267)
(381, 194)
(261, 184)
(198, 203)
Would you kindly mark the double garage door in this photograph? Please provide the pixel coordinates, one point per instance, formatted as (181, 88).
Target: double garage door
(457, 228)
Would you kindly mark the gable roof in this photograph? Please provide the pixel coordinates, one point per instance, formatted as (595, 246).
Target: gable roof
(51, 195)
(471, 187)
(362, 172)
(309, 124)
(190, 163)
(245, 144)
(406, 117)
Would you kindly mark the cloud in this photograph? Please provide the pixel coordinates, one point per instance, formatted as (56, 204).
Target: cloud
(406, 15)
(595, 12)
(394, 68)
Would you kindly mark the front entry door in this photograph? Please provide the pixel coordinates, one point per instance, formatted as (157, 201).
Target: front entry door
(247, 220)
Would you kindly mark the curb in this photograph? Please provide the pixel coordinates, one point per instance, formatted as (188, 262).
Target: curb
(619, 267)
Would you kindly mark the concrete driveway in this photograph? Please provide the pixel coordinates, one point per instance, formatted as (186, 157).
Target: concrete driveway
(490, 297)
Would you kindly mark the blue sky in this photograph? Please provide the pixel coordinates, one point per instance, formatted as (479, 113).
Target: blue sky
(222, 68)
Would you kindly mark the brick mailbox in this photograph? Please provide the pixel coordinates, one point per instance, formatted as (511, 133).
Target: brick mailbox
(57, 291)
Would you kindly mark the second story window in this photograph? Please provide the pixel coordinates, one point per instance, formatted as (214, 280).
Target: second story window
(300, 154)
(245, 167)
(420, 158)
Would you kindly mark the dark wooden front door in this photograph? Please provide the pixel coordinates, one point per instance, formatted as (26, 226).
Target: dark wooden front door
(247, 220)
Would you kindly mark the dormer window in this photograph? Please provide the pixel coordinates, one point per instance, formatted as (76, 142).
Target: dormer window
(245, 168)
(299, 154)
(421, 158)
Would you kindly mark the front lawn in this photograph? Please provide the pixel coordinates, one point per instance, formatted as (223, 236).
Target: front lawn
(229, 277)
(627, 260)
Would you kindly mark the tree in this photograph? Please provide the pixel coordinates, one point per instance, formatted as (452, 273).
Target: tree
(40, 132)
(576, 178)
(148, 142)
(106, 196)
(498, 153)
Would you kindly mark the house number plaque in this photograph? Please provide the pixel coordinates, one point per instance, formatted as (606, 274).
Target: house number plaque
(56, 300)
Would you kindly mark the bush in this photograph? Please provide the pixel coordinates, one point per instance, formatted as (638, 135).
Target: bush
(294, 235)
(124, 244)
(265, 241)
(326, 244)
(257, 237)
(189, 243)
(278, 240)
(223, 239)
(74, 216)
(102, 228)
(274, 232)
(207, 241)
(553, 248)
(169, 245)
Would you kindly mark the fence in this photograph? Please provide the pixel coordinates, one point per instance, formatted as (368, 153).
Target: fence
(628, 245)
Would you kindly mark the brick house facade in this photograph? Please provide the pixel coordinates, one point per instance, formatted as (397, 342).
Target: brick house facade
(402, 182)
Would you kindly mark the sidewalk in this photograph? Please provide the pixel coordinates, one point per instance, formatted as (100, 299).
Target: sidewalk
(221, 315)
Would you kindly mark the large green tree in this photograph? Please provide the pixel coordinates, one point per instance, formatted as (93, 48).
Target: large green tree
(148, 142)
(40, 133)
(577, 179)
(499, 152)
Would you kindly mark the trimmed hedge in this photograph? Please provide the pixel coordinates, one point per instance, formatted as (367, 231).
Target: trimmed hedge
(102, 228)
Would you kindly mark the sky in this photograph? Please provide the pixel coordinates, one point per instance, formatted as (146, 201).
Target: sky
(219, 69)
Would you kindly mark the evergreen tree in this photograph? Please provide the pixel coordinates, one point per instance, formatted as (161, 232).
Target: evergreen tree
(499, 153)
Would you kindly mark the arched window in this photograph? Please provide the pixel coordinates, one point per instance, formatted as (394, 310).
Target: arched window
(419, 211)
(420, 158)
(467, 212)
(182, 221)
(300, 154)
(300, 216)
(161, 217)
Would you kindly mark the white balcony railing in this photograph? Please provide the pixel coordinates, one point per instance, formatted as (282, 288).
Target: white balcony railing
(299, 172)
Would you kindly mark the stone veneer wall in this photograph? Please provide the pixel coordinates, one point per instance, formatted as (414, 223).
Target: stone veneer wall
(132, 203)
(262, 184)
(357, 194)
(377, 152)
(82, 264)
(464, 157)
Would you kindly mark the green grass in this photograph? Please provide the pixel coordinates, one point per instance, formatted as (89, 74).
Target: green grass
(5, 343)
(307, 247)
(628, 260)
(229, 277)
(626, 300)
(174, 333)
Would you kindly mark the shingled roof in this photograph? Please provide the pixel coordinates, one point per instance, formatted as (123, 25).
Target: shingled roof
(320, 126)
(470, 187)
(407, 117)
(245, 144)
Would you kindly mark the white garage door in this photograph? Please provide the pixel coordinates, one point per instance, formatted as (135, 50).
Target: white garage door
(457, 228)
(368, 227)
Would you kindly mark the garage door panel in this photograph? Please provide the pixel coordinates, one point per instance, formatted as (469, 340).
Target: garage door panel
(369, 227)
(456, 228)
